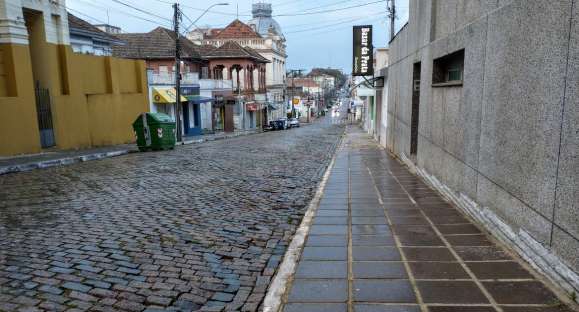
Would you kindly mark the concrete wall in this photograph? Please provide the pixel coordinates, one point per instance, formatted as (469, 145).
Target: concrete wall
(94, 100)
(504, 143)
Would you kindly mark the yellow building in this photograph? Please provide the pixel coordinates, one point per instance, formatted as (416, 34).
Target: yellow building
(53, 97)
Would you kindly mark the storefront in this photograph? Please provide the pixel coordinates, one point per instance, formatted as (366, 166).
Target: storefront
(222, 112)
(252, 119)
(192, 112)
(163, 100)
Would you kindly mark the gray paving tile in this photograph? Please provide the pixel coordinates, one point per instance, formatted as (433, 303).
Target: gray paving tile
(520, 292)
(428, 254)
(365, 205)
(378, 270)
(451, 292)
(316, 307)
(332, 213)
(378, 212)
(325, 206)
(373, 240)
(322, 269)
(499, 270)
(380, 220)
(466, 309)
(328, 230)
(370, 229)
(328, 290)
(438, 270)
(327, 241)
(374, 253)
(325, 253)
(392, 291)
(385, 308)
(331, 220)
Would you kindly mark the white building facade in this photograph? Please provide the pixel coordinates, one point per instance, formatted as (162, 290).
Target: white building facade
(269, 43)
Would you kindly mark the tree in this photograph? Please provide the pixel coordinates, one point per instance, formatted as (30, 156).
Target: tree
(336, 73)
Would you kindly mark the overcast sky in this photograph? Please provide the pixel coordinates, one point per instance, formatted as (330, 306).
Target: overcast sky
(323, 39)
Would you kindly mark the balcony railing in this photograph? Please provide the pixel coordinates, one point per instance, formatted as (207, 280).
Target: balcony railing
(212, 84)
(169, 78)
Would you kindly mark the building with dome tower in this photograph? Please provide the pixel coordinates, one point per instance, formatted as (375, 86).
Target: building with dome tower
(264, 35)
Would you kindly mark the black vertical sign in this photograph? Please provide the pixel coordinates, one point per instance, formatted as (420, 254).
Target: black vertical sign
(363, 51)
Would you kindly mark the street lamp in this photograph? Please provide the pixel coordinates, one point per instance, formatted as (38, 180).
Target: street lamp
(205, 12)
(176, 20)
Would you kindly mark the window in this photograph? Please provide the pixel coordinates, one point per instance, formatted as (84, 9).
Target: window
(163, 69)
(448, 70)
(204, 72)
(454, 74)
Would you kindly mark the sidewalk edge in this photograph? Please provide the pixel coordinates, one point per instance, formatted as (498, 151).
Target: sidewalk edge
(60, 161)
(278, 286)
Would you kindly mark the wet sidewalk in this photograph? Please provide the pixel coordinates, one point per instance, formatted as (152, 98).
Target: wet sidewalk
(383, 241)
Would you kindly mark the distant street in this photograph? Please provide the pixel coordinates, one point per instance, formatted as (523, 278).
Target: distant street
(201, 226)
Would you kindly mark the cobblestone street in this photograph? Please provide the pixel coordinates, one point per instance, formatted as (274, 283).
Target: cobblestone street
(200, 227)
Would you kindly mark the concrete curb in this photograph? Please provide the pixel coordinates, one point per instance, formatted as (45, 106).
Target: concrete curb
(64, 161)
(210, 139)
(102, 155)
(60, 161)
(286, 270)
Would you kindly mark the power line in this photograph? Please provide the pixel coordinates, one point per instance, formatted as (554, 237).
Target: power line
(325, 5)
(86, 15)
(106, 9)
(339, 28)
(141, 10)
(334, 24)
(214, 12)
(330, 11)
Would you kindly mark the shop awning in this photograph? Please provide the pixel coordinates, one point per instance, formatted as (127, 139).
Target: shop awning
(166, 96)
(271, 107)
(198, 99)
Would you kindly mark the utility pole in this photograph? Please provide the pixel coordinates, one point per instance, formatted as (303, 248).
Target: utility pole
(392, 15)
(176, 19)
(293, 74)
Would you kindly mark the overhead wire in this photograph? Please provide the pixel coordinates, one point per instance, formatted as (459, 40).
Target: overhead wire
(77, 12)
(329, 11)
(336, 28)
(326, 5)
(140, 10)
(332, 23)
(102, 6)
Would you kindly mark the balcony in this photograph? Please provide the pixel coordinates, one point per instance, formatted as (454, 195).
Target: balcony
(169, 78)
(211, 84)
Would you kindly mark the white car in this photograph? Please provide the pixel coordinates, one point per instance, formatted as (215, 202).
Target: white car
(294, 123)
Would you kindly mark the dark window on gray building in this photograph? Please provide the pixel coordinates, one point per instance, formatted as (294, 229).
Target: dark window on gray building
(417, 69)
(449, 69)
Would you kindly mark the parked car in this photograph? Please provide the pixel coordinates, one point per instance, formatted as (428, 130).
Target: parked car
(294, 123)
(275, 125)
(269, 127)
(284, 123)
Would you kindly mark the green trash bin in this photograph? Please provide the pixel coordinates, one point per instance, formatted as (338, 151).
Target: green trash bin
(154, 131)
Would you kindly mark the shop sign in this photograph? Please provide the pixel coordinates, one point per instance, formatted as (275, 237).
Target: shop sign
(363, 62)
(188, 91)
(252, 107)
